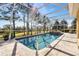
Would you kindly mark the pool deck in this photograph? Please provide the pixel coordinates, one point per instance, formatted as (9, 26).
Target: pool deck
(64, 46)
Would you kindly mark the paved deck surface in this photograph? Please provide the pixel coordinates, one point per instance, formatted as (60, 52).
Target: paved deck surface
(67, 46)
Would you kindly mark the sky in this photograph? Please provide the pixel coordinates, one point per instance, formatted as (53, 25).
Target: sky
(54, 11)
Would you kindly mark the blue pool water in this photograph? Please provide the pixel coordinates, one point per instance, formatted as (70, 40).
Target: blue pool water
(42, 40)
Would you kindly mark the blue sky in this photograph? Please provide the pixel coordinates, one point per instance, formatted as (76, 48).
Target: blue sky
(55, 11)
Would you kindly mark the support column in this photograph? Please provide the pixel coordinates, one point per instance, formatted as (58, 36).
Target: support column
(77, 28)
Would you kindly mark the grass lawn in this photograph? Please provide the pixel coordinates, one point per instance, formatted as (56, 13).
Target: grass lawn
(1, 38)
(1, 35)
(21, 34)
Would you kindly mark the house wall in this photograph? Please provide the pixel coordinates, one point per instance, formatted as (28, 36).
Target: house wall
(74, 11)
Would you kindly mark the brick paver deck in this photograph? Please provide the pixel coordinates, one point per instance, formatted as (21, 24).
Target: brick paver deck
(66, 46)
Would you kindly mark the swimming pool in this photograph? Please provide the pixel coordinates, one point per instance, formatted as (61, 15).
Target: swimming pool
(40, 41)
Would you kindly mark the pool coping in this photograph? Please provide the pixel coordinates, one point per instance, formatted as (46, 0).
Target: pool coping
(38, 34)
(30, 36)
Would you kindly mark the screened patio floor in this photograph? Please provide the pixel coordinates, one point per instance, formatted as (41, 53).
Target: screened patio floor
(66, 46)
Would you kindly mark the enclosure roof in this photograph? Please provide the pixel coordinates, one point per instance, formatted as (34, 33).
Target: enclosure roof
(51, 10)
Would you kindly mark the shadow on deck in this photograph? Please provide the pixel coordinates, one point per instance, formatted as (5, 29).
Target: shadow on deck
(59, 49)
(14, 49)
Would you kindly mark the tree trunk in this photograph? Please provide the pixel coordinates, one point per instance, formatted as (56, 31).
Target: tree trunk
(14, 21)
(24, 24)
(12, 18)
(10, 30)
(13, 28)
(31, 27)
(47, 29)
(27, 23)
